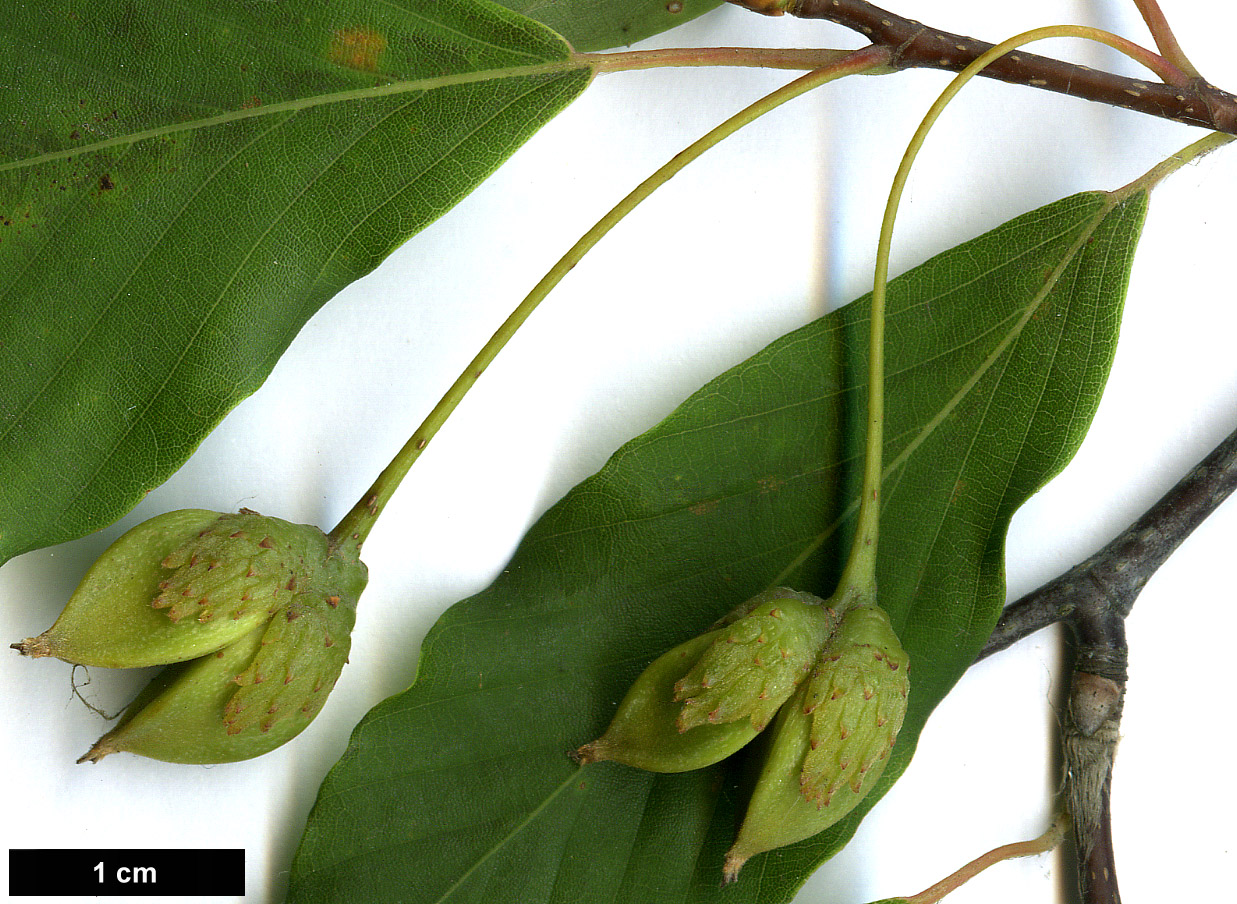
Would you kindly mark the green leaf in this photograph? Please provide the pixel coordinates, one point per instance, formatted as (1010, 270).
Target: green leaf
(601, 24)
(181, 187)
(461, 790)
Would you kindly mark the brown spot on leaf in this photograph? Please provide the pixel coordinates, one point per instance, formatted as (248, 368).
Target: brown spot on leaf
(106, 183)
(357, 48)
(768, 484)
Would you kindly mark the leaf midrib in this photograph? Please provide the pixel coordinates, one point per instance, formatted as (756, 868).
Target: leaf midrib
(953, 289)
(297, 105)
(1085, 233)
(219, 296)
(1087, 230)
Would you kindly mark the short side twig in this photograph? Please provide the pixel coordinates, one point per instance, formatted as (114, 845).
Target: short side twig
(1044, 843)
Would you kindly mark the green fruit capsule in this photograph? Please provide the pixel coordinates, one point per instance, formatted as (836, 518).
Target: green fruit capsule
(706, 698)
(831, 742)
(181, 585)
(254, 694)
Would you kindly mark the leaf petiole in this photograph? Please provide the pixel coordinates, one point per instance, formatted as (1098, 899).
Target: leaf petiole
(1166, 41)
(751, 57)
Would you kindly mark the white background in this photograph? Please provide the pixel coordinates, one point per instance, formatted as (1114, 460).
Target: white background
(765, 233)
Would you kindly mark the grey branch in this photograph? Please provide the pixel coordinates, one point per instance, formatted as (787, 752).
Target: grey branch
(1094, 598)
(1106, 584)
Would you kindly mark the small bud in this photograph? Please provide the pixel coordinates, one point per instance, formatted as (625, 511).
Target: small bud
(1093, 700)
(832, 740)
(708, 697)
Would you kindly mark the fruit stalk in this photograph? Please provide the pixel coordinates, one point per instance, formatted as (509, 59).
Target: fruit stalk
(356, 525)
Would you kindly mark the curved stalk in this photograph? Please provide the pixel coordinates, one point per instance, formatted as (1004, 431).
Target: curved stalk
(1091, 755)
(1165, 40)
(356, 525)
(859, 575)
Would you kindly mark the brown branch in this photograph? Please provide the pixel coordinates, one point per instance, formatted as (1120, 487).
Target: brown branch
(917, 46)
(1091, 729)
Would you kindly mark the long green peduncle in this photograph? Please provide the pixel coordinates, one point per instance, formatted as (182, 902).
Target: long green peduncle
(359, 521)
(859, 576)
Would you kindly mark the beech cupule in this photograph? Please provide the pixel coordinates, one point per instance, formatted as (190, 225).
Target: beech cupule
(252, 615)
(832, 676)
